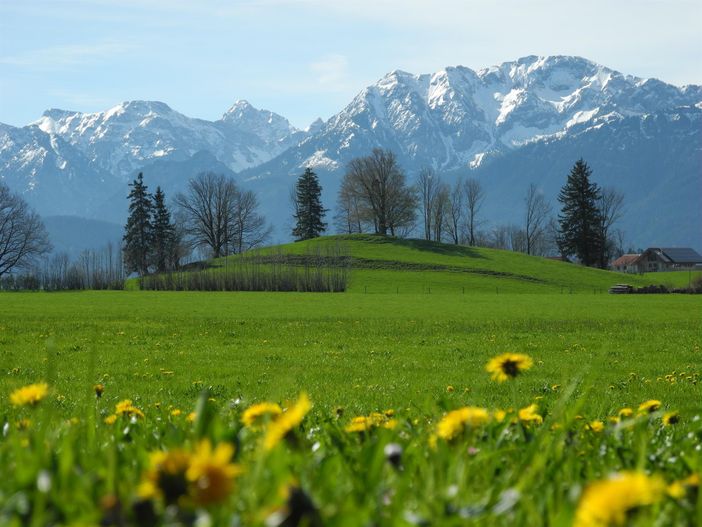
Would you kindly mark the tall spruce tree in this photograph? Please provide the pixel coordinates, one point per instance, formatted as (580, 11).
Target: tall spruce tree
(164, 235)
(138, 232)
(309, 212)
(580, 217)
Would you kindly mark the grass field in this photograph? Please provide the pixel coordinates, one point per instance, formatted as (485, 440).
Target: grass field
(420, 354)
(387, 265)
(386, 350)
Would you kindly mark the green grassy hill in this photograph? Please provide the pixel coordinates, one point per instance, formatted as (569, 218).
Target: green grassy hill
(391, 265)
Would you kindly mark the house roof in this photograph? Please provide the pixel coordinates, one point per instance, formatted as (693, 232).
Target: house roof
(626, 259)
(682, 255)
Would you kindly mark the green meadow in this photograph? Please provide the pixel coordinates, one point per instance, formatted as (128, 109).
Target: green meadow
(366, 351)
(410, 340)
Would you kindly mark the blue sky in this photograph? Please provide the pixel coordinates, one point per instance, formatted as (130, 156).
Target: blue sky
(308, 58)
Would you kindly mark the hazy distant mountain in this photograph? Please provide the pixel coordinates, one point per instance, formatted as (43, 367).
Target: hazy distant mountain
(654, 159)
(73, 235)
(509, 125)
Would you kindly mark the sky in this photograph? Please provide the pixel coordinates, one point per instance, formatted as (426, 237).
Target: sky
(308, 58)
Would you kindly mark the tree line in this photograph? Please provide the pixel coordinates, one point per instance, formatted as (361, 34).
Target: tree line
(92, 269)
(214, 217)
(376, 197)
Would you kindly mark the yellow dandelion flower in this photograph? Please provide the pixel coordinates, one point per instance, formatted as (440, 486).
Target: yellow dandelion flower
(255, 415)
(377, 417)
(176, 412)
(285, 422)
(30, 395)
(650, 406)
(123, 406)
(99, 389)
(608, 502)
(127, 409)
(671, 418)
(625, 412)
(508, 366)
(146, 490)
(432, 441)
(693, 480)
(455, 422)
(499, 415)
(211, 472)
(390, 424)
(595, 426)
(364, 423)
(359, 424)
(530, 415)
(191, 417)
(166, 477)
(110, 419)
(679, 489)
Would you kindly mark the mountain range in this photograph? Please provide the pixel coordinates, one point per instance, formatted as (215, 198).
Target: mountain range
(508, 126)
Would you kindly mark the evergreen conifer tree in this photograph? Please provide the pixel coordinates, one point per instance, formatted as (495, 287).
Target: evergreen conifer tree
(138, 232)
(309, 212)
(580, 218)
(164, 235)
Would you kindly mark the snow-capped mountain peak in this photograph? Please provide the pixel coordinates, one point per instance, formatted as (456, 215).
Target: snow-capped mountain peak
(121, 139)
(268, 126)
(454, 116)
(315, 126)
(456, 120)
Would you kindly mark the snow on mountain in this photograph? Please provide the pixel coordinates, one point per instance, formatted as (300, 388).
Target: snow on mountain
(654, 160)
(457, 120)
(315, 126)
(49, 172)
(267, 126)
(121, 139)
(458, 117)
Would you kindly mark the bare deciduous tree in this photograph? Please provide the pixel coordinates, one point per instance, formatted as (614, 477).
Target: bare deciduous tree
(22, 233)
(535, 217)
(517, 239)
(500, 237)
(454, 216)
(348, 215)
(219, 216)
(440, 211)
(611, 210)
(379, 187)
(428, 185)
(474, 196)
(250, 229)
